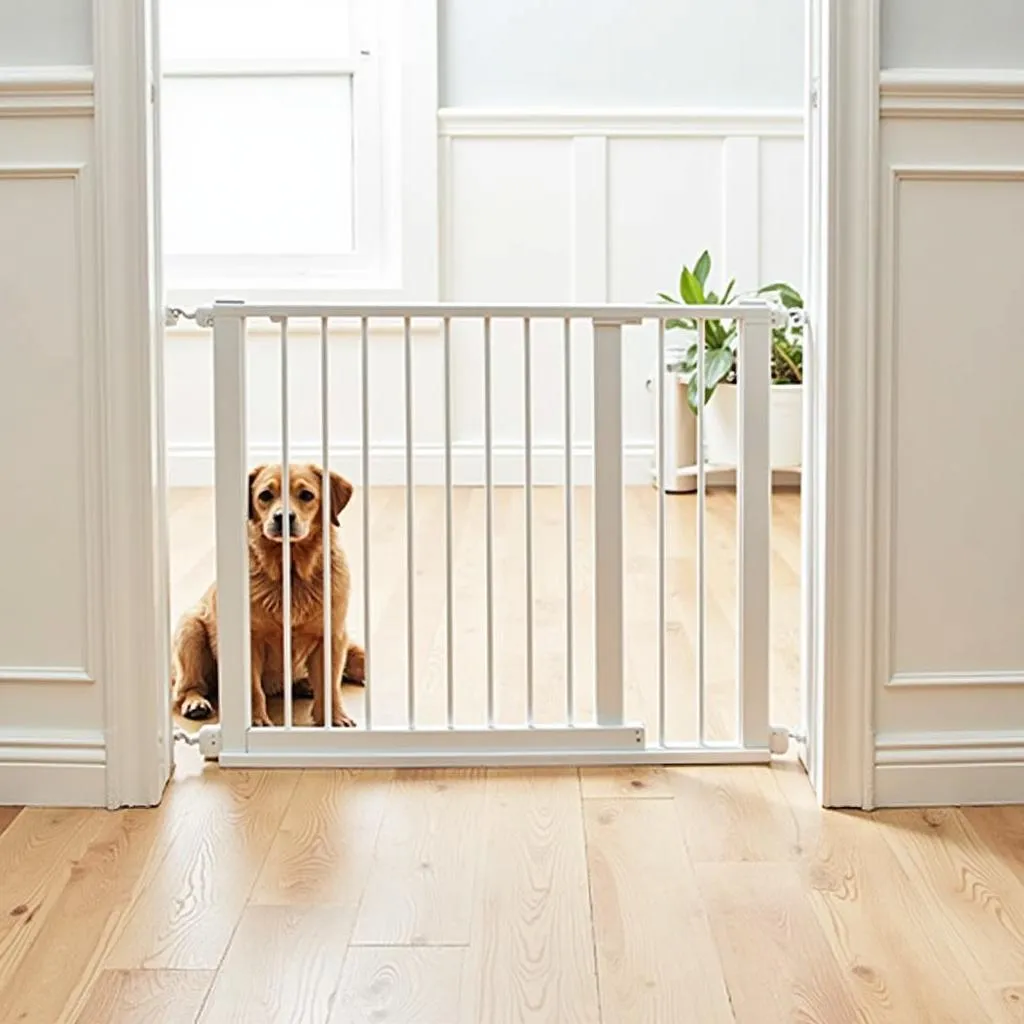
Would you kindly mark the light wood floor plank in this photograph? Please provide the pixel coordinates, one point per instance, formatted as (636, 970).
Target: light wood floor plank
(102, 879)
(283, 966)
(146, 997)
(532, 956)
(777, 962)
(420, 891)
(37, 856)
(640, 781)
(185, 916)
(655, 955)
(975, 895)
(411, 985)
(733, 814)
(325, 847)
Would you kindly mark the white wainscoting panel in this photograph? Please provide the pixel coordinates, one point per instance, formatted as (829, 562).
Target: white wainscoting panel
(949, 709)
(51, 640)
(536, 206)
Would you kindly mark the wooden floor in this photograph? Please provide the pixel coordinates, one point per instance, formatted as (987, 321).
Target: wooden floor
(698, 895)
(192, 566)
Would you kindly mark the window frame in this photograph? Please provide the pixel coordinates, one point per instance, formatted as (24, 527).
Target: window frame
(393, 71)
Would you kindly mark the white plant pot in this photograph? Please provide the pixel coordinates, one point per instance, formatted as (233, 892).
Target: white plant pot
(786, 412)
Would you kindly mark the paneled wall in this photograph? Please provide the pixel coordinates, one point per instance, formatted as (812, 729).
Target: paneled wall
(950, 683)
(51, 707)
(586, 205)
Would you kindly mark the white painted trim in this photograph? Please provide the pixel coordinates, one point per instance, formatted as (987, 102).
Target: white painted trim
(929, 680)
(129, 369)
(929, 769)
(885, 426)
(614, 122)
(971, 94)
(52, 769)
(840, 482)
(64, 91)
(193, 465)
(44, 674)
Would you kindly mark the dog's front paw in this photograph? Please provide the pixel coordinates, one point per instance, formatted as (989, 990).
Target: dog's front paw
(262, 720)
(342, 721)
(196, 708)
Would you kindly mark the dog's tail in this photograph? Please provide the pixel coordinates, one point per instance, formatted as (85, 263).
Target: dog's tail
(355, 665)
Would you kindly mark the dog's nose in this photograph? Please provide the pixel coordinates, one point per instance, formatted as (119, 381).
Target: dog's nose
(279, 520)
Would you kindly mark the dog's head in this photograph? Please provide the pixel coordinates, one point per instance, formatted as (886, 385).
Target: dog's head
(306, 494)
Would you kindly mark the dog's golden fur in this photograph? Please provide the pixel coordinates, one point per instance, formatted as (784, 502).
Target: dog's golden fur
(194, 669)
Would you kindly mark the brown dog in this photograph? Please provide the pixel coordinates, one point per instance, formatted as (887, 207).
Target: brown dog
(194, 669)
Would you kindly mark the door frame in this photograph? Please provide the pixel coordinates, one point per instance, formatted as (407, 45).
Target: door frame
(839, 507)
(136, 575)
(838, 627)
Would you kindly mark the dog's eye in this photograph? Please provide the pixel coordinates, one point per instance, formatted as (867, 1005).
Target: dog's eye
(266, 496)
(306, 495)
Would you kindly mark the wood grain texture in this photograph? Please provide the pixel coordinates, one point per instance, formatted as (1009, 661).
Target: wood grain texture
(420, 890)
(639, 781)
(733, 814)
(400, 985)
(146, 997)
(37, 855)
(776, 960)
(532, 952)
(655, 955)
(324, 849)
(974, 895)
(221, 827)
(283, 966)
(88, 906)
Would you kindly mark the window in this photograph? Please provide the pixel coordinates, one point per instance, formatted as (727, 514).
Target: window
(285, 129)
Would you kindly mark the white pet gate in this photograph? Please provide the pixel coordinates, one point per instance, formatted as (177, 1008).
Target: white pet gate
(607, 737)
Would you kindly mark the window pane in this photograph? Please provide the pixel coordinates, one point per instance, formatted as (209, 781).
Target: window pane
(194, 29)
(257, 166)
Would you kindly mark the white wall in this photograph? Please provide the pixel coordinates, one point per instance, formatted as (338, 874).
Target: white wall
(535, 209)
(949, 699)
(41, 32)
(730, 53)
(952, 34)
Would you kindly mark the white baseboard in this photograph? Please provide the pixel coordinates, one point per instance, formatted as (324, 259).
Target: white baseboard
(44, 769)
(941, 769)
(192, 465)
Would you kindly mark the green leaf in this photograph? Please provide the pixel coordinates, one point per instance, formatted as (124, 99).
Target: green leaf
(703, 268)
(788, 295)
(717, 366)
(728, 292)
(690, 288)
(667, 298)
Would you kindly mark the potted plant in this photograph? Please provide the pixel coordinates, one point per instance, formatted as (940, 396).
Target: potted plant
(720, 367)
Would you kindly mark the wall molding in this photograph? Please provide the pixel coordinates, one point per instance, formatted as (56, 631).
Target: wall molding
(975, 94)
(192, 465)
(886, 433)
(930, 769)
(44, 674)
(45, 768)
(931, 680)
(652, 122)
(46, 92)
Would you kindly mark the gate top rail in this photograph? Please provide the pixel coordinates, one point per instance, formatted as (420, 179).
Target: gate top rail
(753, 312)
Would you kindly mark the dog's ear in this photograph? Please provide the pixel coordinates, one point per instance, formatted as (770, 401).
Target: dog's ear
(341, 494)
(252, 479)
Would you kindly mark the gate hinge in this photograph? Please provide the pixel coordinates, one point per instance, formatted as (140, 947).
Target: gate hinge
(172, 314)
